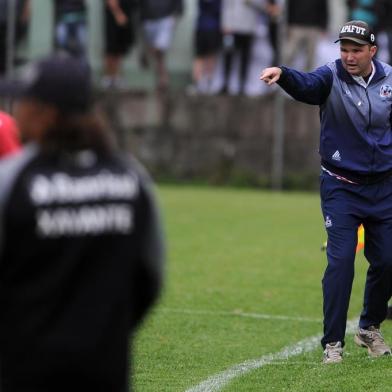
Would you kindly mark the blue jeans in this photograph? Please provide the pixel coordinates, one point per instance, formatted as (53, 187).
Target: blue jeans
(71, 37)
(345, 206)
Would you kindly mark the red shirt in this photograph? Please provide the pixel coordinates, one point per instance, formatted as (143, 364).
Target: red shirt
(9, 135)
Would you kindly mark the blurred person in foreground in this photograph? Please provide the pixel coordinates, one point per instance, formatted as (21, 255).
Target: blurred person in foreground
(9, 135)
(354, 94)
(80, 241)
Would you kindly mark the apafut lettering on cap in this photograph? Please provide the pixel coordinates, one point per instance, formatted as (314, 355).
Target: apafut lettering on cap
(353, 29)
(357, 31)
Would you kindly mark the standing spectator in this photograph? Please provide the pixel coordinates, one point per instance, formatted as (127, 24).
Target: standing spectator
(262, 52)
(274, 31)
(119, 37)
(159, 20)
(9, 135)
(82, 260)
(70, 26)
(362, 10)
(22, 18)
(208, 42)
(307, 20)
(240, 20)
(384, 25)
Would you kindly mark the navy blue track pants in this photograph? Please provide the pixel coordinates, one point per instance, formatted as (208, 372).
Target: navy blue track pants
(345, 206)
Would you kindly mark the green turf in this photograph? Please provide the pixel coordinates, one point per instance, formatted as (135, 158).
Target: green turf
(245, 251)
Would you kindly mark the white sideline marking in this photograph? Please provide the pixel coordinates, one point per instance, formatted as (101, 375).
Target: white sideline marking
(243, 314)
(219, 380)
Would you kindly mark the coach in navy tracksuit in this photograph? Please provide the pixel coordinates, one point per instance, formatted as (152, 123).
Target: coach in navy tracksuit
(355, 98)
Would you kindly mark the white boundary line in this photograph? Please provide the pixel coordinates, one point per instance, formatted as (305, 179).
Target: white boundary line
(219, 380)
(242, 314)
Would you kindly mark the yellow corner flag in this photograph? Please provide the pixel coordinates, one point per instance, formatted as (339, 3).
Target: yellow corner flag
(361, 240)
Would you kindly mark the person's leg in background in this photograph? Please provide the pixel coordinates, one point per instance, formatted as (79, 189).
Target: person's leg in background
(229, 51)
(162, 71)
(80, 39)
(311, 37)
(112, 57)
(158, 37)
(207, 45)
(243, 43)
(71, 37)
(118, 40)
(292, 46)
(61, 36)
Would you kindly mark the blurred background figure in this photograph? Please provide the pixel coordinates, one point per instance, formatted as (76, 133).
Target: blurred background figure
(9, 135)
(362, 10)
(275, 12)
(82, 260)
(158, 18)
(240, 20)
(262, 51)
(207, 45)
(119, 37)
(22, 14)
(307, 22)
(384, 29)
(71, 26)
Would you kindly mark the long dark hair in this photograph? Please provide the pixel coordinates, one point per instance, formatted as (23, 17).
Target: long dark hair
(79, 131)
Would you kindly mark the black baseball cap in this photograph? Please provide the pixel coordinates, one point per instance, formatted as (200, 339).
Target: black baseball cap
(357, 31)
(59, 80)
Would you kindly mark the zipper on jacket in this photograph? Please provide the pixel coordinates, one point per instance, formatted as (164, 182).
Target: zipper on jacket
(370, 110)
(368, 128)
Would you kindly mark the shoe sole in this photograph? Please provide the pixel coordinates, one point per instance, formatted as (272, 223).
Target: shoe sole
(361, 343)
(326, 362)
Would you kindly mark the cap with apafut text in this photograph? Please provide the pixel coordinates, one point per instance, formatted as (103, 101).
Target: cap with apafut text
(358, 32)
(59, 80)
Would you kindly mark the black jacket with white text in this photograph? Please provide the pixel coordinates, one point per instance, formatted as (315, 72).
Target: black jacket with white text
(81, 257)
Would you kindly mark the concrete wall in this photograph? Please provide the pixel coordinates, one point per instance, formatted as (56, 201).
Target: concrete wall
(213, 139)
(225, 140)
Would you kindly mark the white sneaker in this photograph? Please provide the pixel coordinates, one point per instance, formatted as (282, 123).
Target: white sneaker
(113, 83)
(372, 339)
(333, 353)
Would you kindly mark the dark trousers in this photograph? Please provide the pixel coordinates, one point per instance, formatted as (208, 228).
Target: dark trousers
(345, 206)
(242, 45)
(20, 32)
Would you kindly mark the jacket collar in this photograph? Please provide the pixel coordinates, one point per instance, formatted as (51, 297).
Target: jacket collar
(345, 76)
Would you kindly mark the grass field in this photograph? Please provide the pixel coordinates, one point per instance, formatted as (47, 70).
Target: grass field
(244, 283)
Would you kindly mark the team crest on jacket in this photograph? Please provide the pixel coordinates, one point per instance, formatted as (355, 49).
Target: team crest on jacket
(386, 91)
